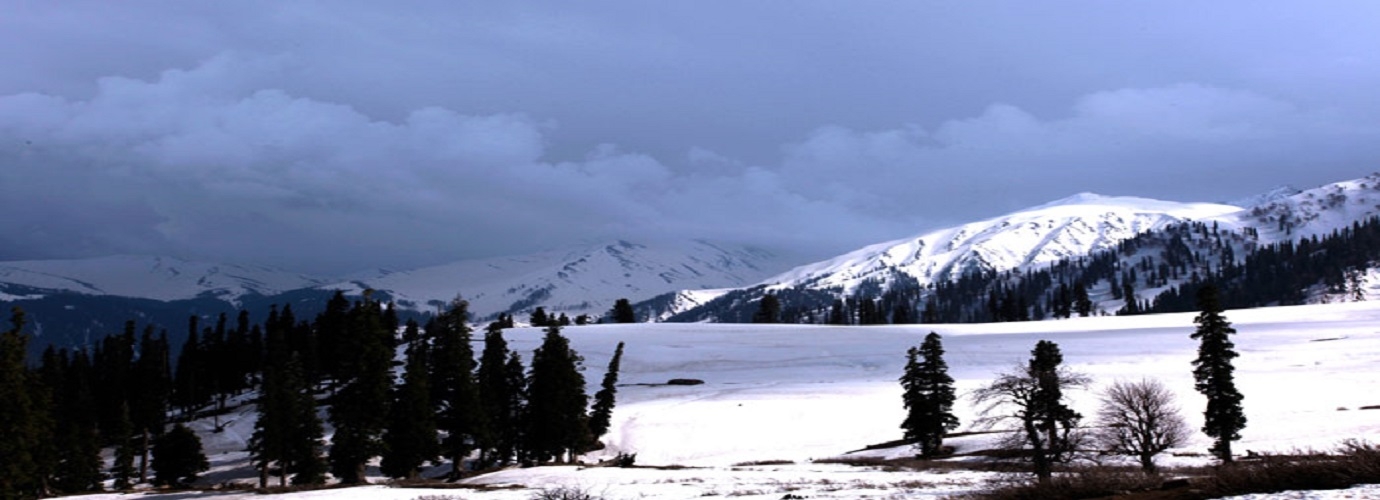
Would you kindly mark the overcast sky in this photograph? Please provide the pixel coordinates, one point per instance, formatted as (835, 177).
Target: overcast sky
(334, 136)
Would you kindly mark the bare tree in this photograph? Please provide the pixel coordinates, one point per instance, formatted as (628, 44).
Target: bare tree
(1030, 400)
(1140, 419)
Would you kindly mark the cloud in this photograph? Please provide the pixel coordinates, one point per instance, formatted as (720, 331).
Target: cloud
(215, 162)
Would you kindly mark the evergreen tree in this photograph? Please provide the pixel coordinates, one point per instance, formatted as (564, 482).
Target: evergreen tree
(1213, 374)
(178, 458)
(1081, 302)
(20, 474)
(455, 391)
(539, 317)
(149, 403)
(288, 431)
(768, 310)
(122, 470)
(623, 312)
(360, 409)
(513, 443)
(411, 436)
(78, 468)
(556, 421)
(187, 394)
(601, 414)
(929, 396)
(500, 398)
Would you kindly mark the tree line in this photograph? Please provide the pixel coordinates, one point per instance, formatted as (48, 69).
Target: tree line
(448, 405)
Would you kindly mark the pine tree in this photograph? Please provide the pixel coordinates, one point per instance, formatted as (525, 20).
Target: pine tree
(556, 421)
(19, 471)
(454, 390)
(623, 312)
(288, 431)
(411, 436)
(500, 399)
(513, 443)
(601, 414)
(149, 403)
(1213, 374)
(122, 470)
(1081, 302)
(187, 383)
(929, 396)
(78, 465)
(768, 310)
(178, 457)
(360, 409)
(539, 317)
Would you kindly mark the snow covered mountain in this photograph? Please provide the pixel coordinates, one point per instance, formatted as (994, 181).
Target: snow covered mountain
(1080, 226)
(157, 278)
(585, 280)
(1074, 226)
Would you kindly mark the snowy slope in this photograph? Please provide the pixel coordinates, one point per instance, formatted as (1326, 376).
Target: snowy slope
(585, 280)
(159, 278)
(1070, 227)
(1317, 211)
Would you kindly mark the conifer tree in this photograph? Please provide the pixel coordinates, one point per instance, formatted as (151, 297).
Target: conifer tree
(623, 312)
(500, 398)
(601, 414)
(539, 317)
(1081, 302)
(360, 409)
(20, 474)
(187, 382)
(454, 389)
(122, 470)
(768, 310)
(78, 465)
(513, 443)
(1214, 374)
(411, 436)
(288, 431)
(929, 396)
(178, 457)
(149, 403)
(556, 421)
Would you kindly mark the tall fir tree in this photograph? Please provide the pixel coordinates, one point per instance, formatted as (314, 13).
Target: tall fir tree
(149, 403)
(1214, 374)
(929, 396)
(411, 436)
(288, 431)
(500, 398)
(556, 421)
(20, 474)
(601, 414)
(359, 410)
(122, 470)
(454, 389)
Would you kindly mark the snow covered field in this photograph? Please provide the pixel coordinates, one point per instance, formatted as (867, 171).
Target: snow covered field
(798, 394)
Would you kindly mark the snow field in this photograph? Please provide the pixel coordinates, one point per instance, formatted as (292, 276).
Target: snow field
(796, 393)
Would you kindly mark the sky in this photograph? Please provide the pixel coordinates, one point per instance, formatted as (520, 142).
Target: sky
(336, 136)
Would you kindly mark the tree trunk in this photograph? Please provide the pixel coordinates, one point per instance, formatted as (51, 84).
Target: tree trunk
(144, 458)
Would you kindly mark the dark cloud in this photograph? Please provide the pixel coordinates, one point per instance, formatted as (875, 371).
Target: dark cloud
(342, 135)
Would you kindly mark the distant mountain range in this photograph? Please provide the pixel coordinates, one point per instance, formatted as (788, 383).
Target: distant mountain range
(1069, 229)
(686, 281)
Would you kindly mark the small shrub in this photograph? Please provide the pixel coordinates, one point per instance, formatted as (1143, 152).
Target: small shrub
(564, 493)
(684, 381)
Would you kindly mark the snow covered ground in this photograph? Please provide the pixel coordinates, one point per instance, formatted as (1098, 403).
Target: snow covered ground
(798, 394)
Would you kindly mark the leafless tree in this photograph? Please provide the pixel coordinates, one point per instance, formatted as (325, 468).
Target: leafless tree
(1140, 419)
(1029, 400)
